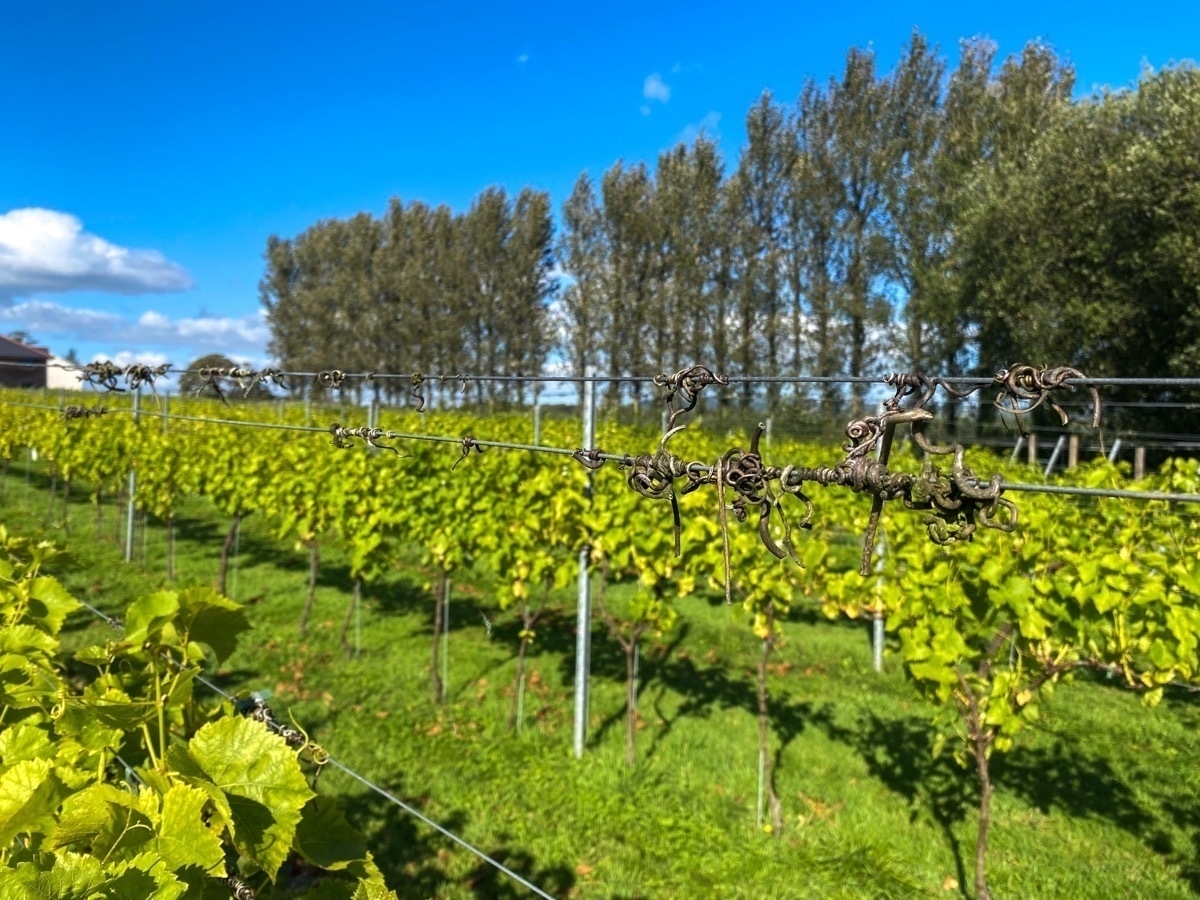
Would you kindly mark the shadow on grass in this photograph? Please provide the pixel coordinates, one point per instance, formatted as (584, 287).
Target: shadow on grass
(411, 855)
(899, 753)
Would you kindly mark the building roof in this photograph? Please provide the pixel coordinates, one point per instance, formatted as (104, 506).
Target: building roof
(10, 349)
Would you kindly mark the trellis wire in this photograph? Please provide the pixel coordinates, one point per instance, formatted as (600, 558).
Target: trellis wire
(551, 378)
(1112, 493)
(342, 767)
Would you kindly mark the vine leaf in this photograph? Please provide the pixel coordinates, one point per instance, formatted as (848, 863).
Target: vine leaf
(116, 824)
(184, 839)
(29, 793)
(211, 619)
(324, 837)
(49, 604)
(262, 780)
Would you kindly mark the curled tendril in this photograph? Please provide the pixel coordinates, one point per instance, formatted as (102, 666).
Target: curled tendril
(653, 475)
(137, 375)
(82, 412)
(1024, 388)
(415, 392)
(686, 384)
(744, 473)
(342, 435)
(102, 374)
(238, 889)
(589, 459)
(331, 379)
(208, 379)
(468, 444)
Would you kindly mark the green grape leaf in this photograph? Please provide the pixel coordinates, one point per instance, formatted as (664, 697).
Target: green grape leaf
(73, 877)
(183, 838)
(29, 793)
(261, 777)
(211, 619)
(49, 604)
(325, 838)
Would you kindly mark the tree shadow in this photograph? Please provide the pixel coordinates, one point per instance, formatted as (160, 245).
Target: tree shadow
(410, 854)
(899, 753)
(710, 687)
(1062, 777)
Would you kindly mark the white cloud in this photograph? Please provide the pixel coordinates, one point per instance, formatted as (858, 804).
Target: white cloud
(654, 88)
(56, 324)
(645, 109)
(42, 250)
(523, 58)
(706, 126)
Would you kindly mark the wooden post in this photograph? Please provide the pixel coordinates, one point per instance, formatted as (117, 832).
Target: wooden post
(1072, 451)
(1032, 448)
(1139, 463)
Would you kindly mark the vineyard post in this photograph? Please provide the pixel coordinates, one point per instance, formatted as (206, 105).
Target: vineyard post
(237, 550)
(537, 416)
(583, 620)
(877, 622)
(1072, 451)
(767, 432)
(308, 408)
(446, 640)
(1032, 445)
(1139, 463)
(131, 508)
(1116, 449)
(1054, 454)
(1017, 450)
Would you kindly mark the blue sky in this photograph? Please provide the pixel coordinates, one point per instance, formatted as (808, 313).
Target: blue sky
(149, 149)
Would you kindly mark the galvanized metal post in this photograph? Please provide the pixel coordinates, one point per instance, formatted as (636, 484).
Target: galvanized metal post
(583, 618)
(877, 623)
(446, 641)
(537, 417)
(1058, 445)
(1017, 449)
(1116, 449)
(130, 508)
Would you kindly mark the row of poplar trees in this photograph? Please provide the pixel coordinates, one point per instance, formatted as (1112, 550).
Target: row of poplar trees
(934, 219)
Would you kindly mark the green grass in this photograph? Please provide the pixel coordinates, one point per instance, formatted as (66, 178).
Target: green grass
(1103, 801)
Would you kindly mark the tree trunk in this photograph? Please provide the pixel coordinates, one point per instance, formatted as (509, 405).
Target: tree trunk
(66, 513)
(764, 724)
(225, 550)
(53, 491)
(314, 563)
(171, 547)
(630, 700)
(985, 814)
(435, 675)
(515, 712)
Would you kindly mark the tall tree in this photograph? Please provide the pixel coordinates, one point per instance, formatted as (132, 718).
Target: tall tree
(862, 163)
(760, 192)
(1084, 248)
(584, 314)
